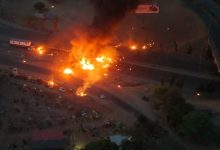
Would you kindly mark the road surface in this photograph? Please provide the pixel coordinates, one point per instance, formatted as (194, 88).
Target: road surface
(209, 11)
(11, 56)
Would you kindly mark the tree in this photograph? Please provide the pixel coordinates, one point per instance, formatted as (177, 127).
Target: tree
(148, 127)
(172, 105)
(216, 136)
(197, 126)
(210, 88)
(148, 143)
(40, 6)
(101, 145)
(175, 112)
(140, 142)
(56, 1)
(169, 143)
(172, 80)
(130, 145)
(180, 84)
(160, 91)
(200, 88)
(145, 135)
(175, 108)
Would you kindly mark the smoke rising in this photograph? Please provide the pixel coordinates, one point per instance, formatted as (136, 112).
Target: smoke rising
(108, 13)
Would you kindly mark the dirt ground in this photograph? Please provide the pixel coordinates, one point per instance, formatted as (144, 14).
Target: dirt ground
(26, 106)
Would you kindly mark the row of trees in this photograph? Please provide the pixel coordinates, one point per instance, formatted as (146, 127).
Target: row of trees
(181, 116)
(206, 52)
(41, 6)
(43, 15)
(194, 125)
(173, 81)
(210, 88)
(145, 135)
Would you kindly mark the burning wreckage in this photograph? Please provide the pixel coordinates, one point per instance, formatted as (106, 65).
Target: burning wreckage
(91, 56)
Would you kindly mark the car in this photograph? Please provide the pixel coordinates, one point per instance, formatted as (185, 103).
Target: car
(20, 43)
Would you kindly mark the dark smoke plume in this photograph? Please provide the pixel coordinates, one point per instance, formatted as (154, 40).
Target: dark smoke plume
(108, 13)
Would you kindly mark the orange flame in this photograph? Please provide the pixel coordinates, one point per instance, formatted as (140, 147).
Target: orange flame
(104, 60)
(100, 59)
(91, 59)
(86, 65)
(68, 71)
(133, 47)
(51, 83)
(40, 50)
(81, 92)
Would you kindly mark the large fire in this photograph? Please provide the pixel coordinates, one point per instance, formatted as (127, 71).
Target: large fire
(91, 54)
(81, 92)
(90, 59)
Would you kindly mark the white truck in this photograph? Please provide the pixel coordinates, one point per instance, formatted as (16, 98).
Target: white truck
(20, 43)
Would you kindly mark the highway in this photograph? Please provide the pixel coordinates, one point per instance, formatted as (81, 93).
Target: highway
(9, 31)
(12, 57)
(209, 12)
